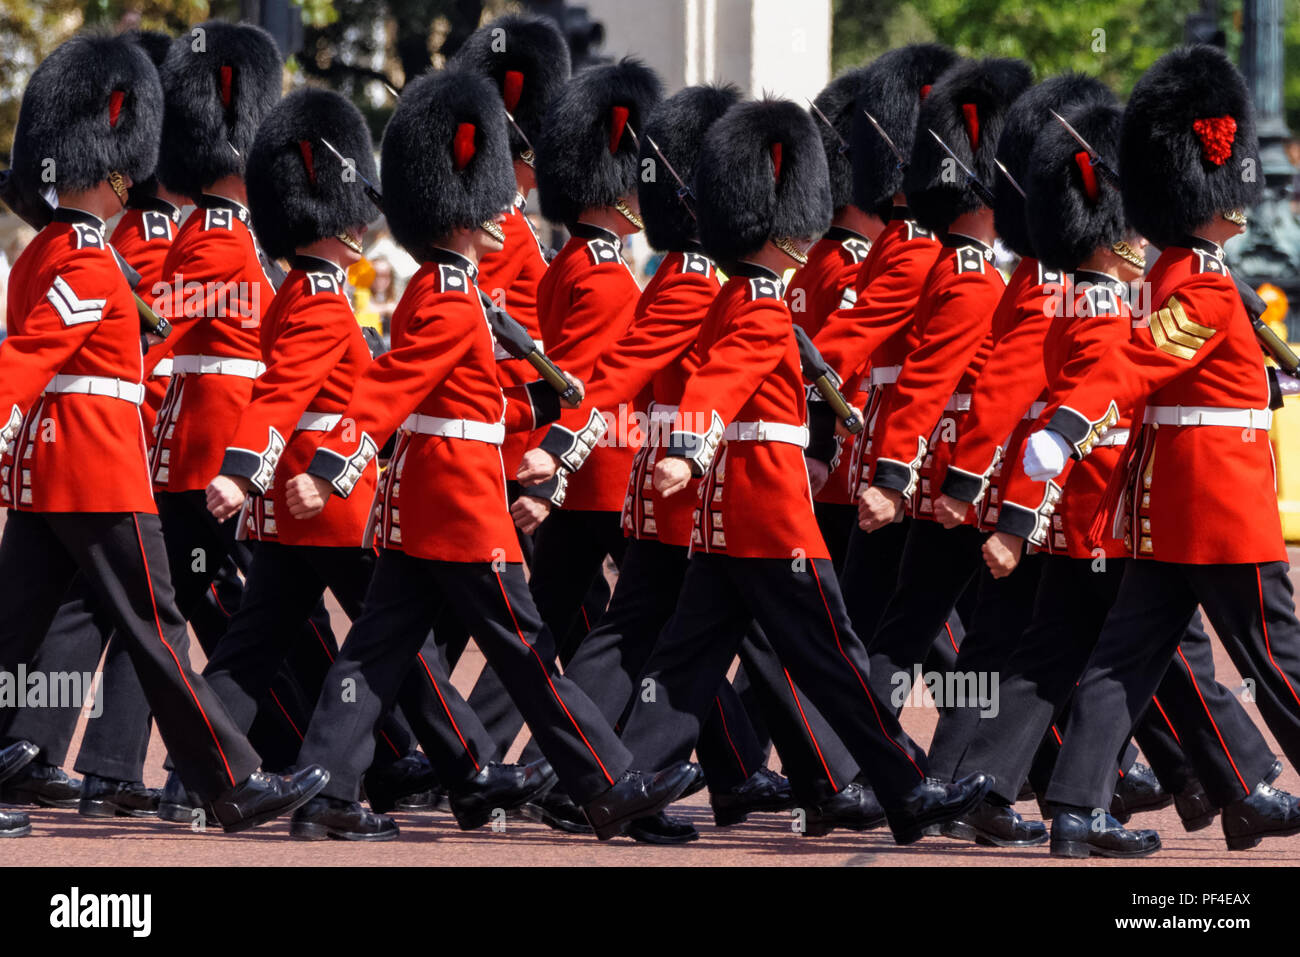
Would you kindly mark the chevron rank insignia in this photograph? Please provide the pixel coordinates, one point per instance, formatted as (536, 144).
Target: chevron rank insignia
(1176, 333)
(72, 309)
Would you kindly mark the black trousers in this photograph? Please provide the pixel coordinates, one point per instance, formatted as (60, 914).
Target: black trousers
(567, 566)
(406, 595)
(837, 523)
(799, 608)
(123, 560)
(286, 580)
(1252, 610)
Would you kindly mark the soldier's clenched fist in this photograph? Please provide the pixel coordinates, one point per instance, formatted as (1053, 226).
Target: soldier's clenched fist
(672, 474)
(877, 507)
(225, 496)
(306, 495)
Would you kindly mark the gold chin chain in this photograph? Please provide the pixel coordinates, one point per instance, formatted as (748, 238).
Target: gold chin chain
(1127, 253)
(116, 180)
(787, 246)
(630, 216)
(351, 243)
(528, 157)
(1236, 216)
(493, 230)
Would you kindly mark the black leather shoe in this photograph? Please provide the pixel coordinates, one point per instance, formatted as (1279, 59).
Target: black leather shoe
(14, 824)
(765, 790)
(262, 797)
(42, 785)
(995, 826)
(1195, 809)
(662, 829)
(1267, 812)
(176, 804)
(434, 799)
(498, 787)
(636, 794)
(1274, 771)
(854, 808)
(322, 818)
(697, 783)
(15, 757)
(556, 810)
(104, 797)
(1138, 792)
(934, 802)
(406, 778)
(1076, 835)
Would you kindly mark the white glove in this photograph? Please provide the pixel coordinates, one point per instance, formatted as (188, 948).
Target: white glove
(1045, 455)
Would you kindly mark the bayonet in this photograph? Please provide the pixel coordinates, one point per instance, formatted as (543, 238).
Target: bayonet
(844, 146)
(371, 190)
(683, 191)
(976, 184)
(1010, 179)
(889, 141)
(1093, 155)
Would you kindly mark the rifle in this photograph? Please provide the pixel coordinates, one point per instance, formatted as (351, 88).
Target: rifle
(819, 373)
(516, 341)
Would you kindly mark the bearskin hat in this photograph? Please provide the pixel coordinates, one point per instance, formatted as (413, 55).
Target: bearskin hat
(445, 160)
(1188, 144)
(528, 60)
(967, 108)
(677, 126)
(895, 84)
(1071, 209)
(1026, 119)
(585, 154)
(94, 106)
(837, 102)
(219, 81)
(156, 45)
(298, 190)
(761, 175)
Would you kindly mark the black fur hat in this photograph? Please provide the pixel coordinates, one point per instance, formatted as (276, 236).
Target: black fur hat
(837, 103)
(1028, 117)
(677, 125)
(895, 85)
(220, 80)
(445, 158)
(156, 45)
(585, 156)
(528, 60)
(967, 107)
(1071, 208)
(761, 175)
(298, 190)
(1188, 147)
(93, 107)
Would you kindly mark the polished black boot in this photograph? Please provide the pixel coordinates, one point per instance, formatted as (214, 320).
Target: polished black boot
(994, 825)
(498, 787)
(1195, 809)
(765, 790)
(1138, 792)
(662, 829)
(1079, 834)
(853, 808)
(934, 802)
(105, 797)
(636, 794)
(556, 810)
(1267, 812)
(41, 785)
(262, 797)
(324, 818)
(15, 757)
(14, 824)
(407, 783)
(176, 804)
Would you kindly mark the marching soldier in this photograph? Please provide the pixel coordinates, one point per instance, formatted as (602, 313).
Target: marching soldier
(441, 518)
(72, 359)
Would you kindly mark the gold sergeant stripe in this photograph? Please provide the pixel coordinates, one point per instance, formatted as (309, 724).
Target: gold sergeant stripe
(1177, 334)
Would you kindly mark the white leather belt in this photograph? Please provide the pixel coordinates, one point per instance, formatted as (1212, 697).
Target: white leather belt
(1207, 415)
(493, 433)
(767, 432)
(959, 402)
(132, 392)
(216, 365)
(318, 421)
(884, 375)
(163, 369)
(1112, 437)
(1035, 410)
(662, 413)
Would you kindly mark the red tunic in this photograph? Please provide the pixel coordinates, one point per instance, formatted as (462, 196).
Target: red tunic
(754, 501)
(585, 303)
(314, 353)
(217, 298)
(1199, 494)
(71, 314)
(1075, 341)
(825, 283)
(442, 366)
(954, 322)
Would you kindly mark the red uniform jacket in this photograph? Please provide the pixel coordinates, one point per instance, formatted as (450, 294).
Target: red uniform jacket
(1199, 494)
(314, 353)
(755, 501)
(878, 329)
(442, 366)
(585, 303)
(1011, 382)
(954, 322)
(657, 351)
(825, 283)
(71, 314)
(217, 295)
(1055, 516)
(143, 237)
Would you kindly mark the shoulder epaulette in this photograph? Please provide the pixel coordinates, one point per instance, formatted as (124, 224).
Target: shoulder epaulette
(856, 248)
(88, 237)
(762, 288)
(452, 278)
(218, 218)
(155, 225)
(969, 259)
(915, 231)
(602, 251)
(323, 282)
(697, 263)
(1100, 300)
(1048, 277)
(1208, 262)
